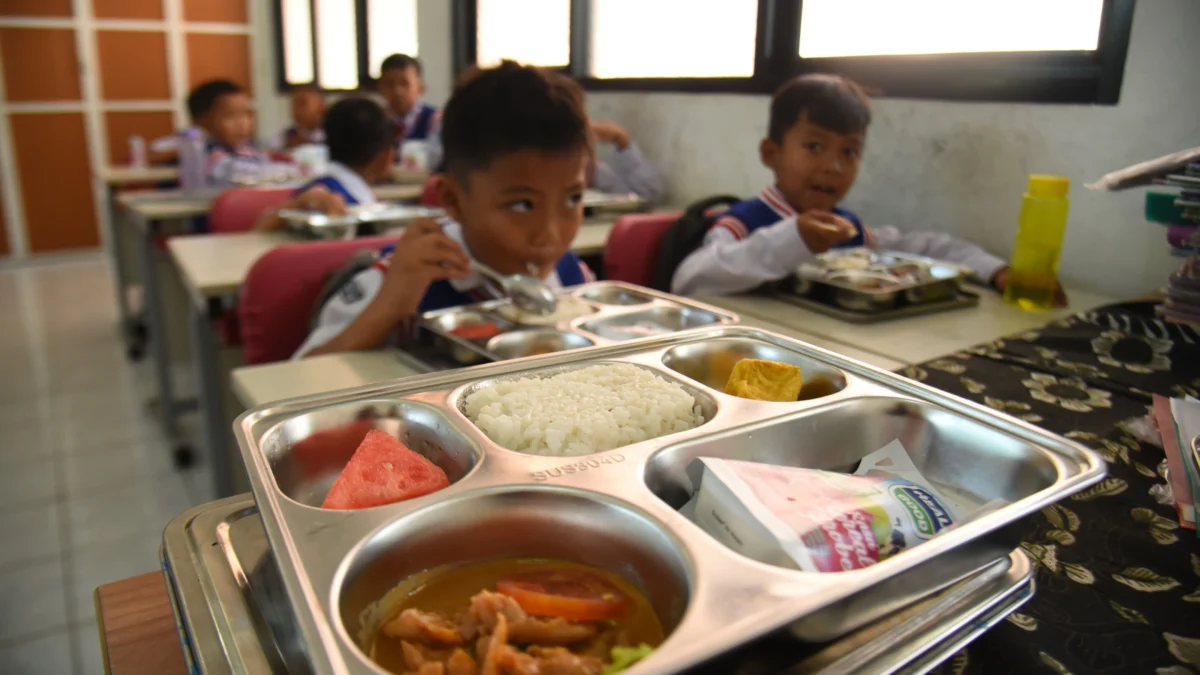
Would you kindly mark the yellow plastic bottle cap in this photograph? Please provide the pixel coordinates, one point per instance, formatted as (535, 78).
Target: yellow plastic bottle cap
(1048, 186)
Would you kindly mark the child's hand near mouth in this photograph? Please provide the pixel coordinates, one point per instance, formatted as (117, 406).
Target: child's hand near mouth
(822, 230)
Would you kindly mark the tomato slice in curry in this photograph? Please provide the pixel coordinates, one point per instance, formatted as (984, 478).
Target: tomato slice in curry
(566, 594)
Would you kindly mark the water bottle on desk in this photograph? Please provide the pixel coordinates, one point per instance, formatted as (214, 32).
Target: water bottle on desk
(1033, 268)
(192, 159)
(137, 152)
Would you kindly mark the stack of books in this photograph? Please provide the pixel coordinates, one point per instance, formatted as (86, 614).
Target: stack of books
(1178, 420)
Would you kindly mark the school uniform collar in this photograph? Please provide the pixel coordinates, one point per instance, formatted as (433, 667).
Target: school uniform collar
(410, 118)
(353, 183)
(475, 284)
(778, 203)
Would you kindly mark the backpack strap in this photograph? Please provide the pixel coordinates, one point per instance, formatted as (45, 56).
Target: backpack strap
(683, 237)
(360, 261)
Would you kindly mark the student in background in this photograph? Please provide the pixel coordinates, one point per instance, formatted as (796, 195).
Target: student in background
(359, 135)
(517, 154)
(308, 112)
(223, 110)
(629, 170)
(401, 85)
(815, 137)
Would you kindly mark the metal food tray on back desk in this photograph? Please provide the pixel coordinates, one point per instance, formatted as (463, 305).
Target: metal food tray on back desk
(618, 509)
(228, 597)
(317, 225)
(617, 312)
(961, 300)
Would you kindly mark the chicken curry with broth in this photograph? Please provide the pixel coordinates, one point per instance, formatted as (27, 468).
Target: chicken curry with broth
(513, 616)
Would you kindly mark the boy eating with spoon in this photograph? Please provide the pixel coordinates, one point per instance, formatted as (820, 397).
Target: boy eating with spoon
(516, 153)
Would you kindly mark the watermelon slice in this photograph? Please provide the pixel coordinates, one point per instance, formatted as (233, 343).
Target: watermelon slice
(383, 471)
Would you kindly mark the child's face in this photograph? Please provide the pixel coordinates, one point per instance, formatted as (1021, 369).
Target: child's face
(401, 87)
(232, 120)
(520, 214)
(814, 167)
(308, 108)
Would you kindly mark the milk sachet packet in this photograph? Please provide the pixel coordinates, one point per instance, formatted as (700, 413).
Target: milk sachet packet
(819, 521)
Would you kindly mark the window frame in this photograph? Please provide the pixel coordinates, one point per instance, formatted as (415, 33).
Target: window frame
(1068, 77)
(362, 36)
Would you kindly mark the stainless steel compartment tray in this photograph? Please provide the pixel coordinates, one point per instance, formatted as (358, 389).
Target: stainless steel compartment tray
(222, 577)
(326, 226)
(827, 281)
(721, 600)
(615, 303)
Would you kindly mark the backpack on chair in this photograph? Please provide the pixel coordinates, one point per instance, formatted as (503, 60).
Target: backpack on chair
(685, 236)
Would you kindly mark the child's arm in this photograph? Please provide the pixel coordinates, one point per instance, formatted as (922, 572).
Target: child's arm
(732, 262)
(630, 171)
(316, 198)
(938, 246)
(424, 254)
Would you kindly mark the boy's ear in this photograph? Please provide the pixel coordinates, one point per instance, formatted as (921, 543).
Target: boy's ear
(768, 152)
(450, 195)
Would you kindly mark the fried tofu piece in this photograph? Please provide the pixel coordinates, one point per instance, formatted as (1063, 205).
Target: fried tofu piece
(764, 380)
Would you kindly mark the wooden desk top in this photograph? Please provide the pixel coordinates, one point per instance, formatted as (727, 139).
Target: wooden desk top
(137, 628)
(127, 175)
(155, 205)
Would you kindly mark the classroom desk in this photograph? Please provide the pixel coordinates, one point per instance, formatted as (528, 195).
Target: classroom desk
(212, 268)
(137, 627)
(915, 339)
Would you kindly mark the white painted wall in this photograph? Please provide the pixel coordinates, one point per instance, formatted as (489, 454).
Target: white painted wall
(961, 167)
(952, 167)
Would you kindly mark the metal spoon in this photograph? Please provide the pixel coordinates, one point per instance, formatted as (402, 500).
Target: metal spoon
(528, 293)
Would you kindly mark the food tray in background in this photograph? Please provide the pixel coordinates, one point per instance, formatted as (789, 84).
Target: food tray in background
(227, 595)
(618, 510)
(619, 312)
(865, 281)
(961, 300)
(595, 201)
(317, 225)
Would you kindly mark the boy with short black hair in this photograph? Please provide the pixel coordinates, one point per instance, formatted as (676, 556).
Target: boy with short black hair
(517, 150)
(359, 136)
(402, 86)
(308, 115)
(815, 137)
(223, 110)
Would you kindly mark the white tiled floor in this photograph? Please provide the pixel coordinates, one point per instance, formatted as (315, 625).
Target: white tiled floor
(86, 481)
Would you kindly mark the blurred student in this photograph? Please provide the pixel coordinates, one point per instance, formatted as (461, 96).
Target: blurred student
(359, 135)
(401, 85)
(629, 171)
(308, 113)
(223, 110)
(517, 155)
(815, 136)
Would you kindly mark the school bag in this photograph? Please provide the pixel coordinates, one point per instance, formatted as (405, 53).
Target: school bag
(340, 279)
(685, 236)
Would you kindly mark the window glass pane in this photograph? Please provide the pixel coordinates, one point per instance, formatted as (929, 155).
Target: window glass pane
(673, 38)
(297, 42)
(534, 32)
(872, 27)
(337, 44)
(391, 29)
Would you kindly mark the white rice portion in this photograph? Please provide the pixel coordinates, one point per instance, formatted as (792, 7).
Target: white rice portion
(582, 411)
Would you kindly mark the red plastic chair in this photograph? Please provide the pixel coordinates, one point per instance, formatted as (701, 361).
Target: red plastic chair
(632, 247)
(279, 292)
(429, 192)
(237, 209)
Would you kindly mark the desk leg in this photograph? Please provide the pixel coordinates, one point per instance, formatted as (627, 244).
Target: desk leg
(160, 348)
(206, 360)
(132, 328)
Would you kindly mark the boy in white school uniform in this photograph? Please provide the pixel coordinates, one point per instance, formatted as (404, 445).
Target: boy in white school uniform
(816, 132)
(308, 115)
(359, 135)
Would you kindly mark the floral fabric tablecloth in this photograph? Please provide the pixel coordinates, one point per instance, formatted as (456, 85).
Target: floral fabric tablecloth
(1118, 581)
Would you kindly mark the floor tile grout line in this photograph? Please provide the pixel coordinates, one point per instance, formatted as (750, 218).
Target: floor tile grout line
(68, 571)
(18, 640)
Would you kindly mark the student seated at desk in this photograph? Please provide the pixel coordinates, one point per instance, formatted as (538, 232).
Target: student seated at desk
(401, 85)
(359, 136)
(628, 171)
(517, 151)
(815, 137)
(224, 111)
(308, 114)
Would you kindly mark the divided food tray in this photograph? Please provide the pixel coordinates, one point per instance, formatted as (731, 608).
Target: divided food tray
(874, 282)
(961, 300)
(618, 509)
(227, 595)
(321, 226)
(620, 312)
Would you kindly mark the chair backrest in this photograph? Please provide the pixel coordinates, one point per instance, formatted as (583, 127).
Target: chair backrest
(237, 209)
(278, 294)
(429, 192)
(632, 246)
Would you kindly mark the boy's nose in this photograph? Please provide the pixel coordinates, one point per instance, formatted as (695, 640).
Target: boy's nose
(547, 236)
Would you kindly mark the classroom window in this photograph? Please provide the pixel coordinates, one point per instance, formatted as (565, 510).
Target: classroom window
(538, 34)
(340, 44)
(1070, 51)
(672, 38)
(888, 27)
